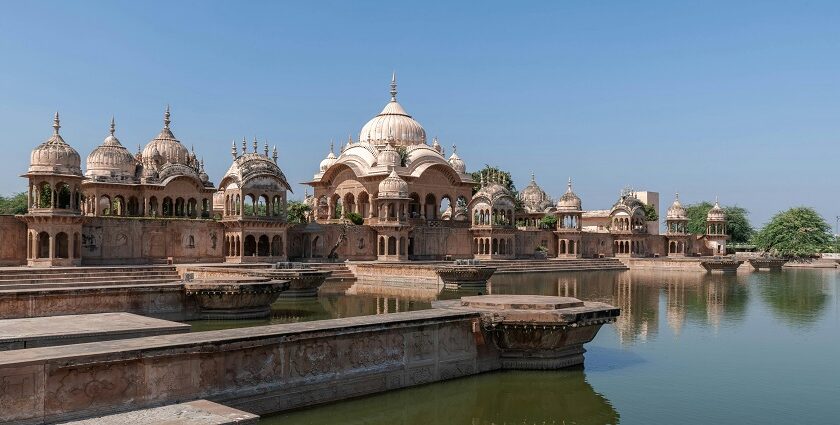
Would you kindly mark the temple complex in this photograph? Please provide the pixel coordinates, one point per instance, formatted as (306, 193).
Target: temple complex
(389, 195)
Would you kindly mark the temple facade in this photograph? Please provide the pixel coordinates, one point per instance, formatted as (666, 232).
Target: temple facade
(388, 195)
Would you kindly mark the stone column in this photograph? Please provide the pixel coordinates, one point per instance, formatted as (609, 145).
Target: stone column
(52, 247)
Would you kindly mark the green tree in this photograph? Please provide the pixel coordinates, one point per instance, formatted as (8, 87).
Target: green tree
(549, 222)
(491, 170)
(403, 155)
(296, 212)
(14, 204)
(355, 218)
(797, 232)
(737, 224)
(650, 213)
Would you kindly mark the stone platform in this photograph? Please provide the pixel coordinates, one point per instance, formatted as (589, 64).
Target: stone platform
(61, 330)
(198, 412)
(267, 369)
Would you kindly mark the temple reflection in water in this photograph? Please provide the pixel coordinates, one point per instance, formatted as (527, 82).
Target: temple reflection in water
(680, 298)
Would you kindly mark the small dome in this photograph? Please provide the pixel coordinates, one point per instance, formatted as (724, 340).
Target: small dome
(393, 187)
(328, 161)
(168, 148)
(676, 211)
(569, 201)
(111, 159)
(393, 123)
(436, 146)
(457, 163)
(388, 157)
(716, 213)
(55, 156)
(534, 199)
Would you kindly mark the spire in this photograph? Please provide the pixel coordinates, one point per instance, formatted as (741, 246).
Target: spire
(201, 165)
(233, 149)
(533, 178)
(113, 126)
(255, 144)
(677, 196)
(454, 149)
(569, 186)
(349, 139)
(56, 124)
(166, 119)
(244, 146)
(394, 86)
(274, 154)
(332, 147)
(265, 148)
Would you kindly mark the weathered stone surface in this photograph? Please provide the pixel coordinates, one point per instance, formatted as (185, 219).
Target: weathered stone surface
(75, 329)
(198, 412)
(260, 369)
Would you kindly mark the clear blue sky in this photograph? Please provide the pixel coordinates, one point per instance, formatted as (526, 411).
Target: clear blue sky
(740, 100)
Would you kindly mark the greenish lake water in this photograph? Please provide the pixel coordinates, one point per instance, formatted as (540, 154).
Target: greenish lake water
(689, 348)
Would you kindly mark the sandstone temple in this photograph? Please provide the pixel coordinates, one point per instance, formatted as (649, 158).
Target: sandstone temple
(159, 205)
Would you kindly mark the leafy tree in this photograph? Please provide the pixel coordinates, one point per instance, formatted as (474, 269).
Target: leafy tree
(489, 170)
(650, 213)
(355, 218)
(737, 224)
(403, 155)
(14, 204)
(549, 222)
(797, 232)
(297, 212)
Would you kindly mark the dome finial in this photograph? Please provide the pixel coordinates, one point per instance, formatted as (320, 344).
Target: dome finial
(569, 185)
(394, 86)
(265, 148)
(332, 147)
(533, 178)
(166, 119)
(113, 125)
(677, 196)
(255, 144)
(244, 146)
(274, 154)
(56, 124)
(233, 149)
(454, 148)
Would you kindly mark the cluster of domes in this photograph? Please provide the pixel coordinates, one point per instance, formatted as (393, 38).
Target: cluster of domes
(111, 160)
(676, 211)
(388, 156)
(534, 199)
(393, 187)
(393, 124)
(493, 187)
(569, 201)
(55, 156)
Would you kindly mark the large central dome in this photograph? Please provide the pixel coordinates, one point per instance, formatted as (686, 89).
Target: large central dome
(393, 123)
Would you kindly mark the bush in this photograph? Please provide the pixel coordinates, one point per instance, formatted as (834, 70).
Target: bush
(355, 218)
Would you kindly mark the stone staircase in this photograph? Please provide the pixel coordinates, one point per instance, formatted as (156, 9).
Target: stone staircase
(555, 265)
(340, 272)
(17, 279)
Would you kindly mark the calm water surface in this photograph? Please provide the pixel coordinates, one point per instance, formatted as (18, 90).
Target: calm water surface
(754, 348)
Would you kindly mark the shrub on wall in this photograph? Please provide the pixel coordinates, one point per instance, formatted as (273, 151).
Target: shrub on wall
(355, 218)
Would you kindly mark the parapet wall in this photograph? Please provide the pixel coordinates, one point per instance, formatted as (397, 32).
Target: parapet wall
(13, 248)
(110, 241)
(262, 369)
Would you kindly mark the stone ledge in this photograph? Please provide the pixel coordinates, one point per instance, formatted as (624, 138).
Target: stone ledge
(198, 412)
(212, 340)
(81, 328)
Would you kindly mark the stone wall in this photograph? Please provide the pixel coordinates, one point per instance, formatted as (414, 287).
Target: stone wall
(163, 301)
(110, 241)
(261, 370)
(13, 248)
